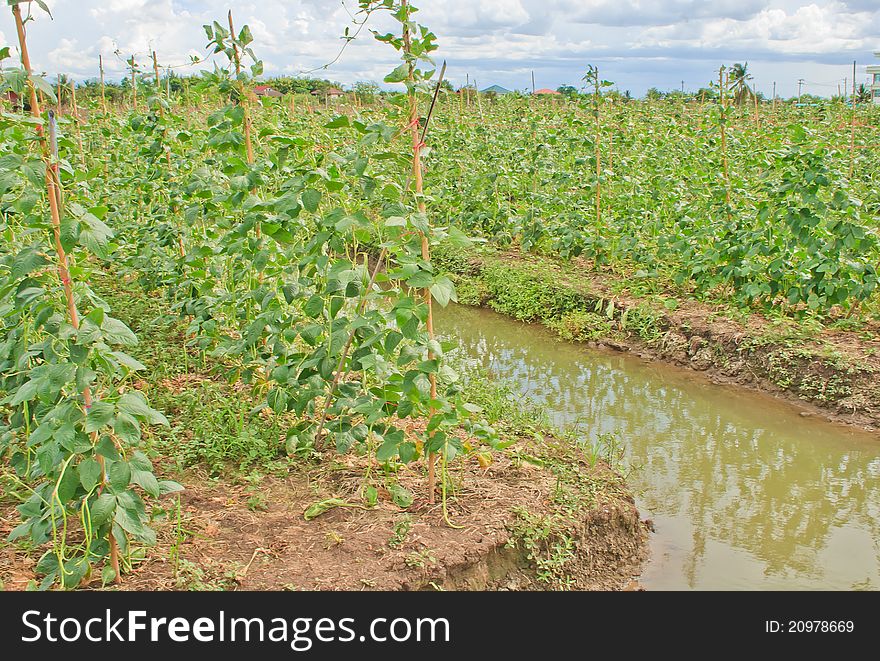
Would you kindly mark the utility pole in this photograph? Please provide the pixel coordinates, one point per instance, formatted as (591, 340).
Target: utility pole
(774, 96)
(533, 82)
(801, 81)
(682, 87)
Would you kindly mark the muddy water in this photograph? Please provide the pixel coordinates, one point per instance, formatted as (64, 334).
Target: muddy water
(743, 491)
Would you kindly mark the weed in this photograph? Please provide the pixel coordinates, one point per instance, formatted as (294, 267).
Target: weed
(401, 531)
(420, 559)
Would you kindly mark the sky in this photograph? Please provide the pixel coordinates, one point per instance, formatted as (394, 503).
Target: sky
(636, 44)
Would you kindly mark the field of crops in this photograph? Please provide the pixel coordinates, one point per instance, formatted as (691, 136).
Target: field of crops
(295, 246)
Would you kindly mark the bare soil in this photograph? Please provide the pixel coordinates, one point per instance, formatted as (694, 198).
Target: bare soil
(239, 536)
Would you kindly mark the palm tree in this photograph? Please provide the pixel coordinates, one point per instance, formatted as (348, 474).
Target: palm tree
(739, 77)
(863, 94)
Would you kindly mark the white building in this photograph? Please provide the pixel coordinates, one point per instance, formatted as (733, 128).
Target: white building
(874, 71)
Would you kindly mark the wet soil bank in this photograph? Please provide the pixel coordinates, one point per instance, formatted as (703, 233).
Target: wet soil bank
(830, 373)
(538, 518)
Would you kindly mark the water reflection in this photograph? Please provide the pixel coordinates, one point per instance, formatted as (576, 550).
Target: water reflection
(743, 491)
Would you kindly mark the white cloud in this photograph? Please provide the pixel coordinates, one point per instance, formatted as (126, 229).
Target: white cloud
(639, 43)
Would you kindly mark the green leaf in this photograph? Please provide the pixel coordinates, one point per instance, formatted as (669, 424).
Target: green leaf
(317, 509)
(400, 73)
(26, 262)
(102, 509)
(69, 233)
(401, 496)
(119, 475)
(169, 486)
(89, 473)
(146, 481)
(443, 291)
(41, 85)
(98, 416)
(311, 198)
(127, 428)
(26, 392)
(139, 461)
(127, 361)
(107, 449)
(94, 234)
(338, 123)
(314, 306)
(245, 37)
(116, 332)
(136, 405)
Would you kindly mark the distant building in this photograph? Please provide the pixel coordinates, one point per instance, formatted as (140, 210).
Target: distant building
(331, 92)
(495, 89)
(265, 90)
(874, 70)
(547, 92)
(12, 97)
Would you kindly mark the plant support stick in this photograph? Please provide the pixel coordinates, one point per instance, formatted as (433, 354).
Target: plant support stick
(53, 193)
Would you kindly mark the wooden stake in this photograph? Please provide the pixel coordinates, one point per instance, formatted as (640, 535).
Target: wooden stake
(598, 157)
(757, 117)
(103, 96)
(245, 101)
(246, 107)
(479, 100)
(852, 129)
(53, 193)
(82, 153)
(156, 72)
(134, 87)
(722, 82)
(426, 247)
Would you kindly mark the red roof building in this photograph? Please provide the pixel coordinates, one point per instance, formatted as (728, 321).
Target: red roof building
(547, 91)
(265, 90)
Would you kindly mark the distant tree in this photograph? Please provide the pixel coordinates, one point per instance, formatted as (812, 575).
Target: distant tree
(367, 91)
(291, 85)
(808, 98)
(567, 91)
(739, 83)
(653, 94)
(446, 85)
(468, 91)
(707, 93)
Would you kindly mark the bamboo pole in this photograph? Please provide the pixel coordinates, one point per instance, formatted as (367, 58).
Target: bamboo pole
(598, 156)
(245, 102)
(852, 130)
(134, 87)
(246, 107)
(479, 100)
(721, 84)
(417, 145)
(79, 140)
(53, 193)
(103, 95)
(757, 117)
(156, 72)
